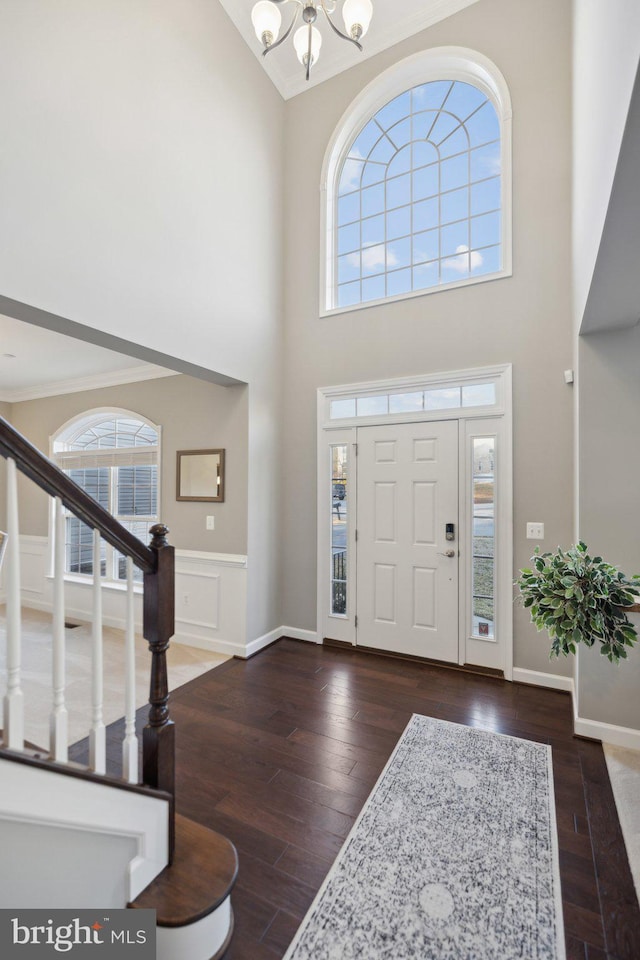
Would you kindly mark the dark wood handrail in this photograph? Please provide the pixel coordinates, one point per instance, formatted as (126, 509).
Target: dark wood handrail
(50, 478)
(158, 563)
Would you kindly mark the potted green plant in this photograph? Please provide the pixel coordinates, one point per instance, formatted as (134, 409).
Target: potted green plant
(578, 598)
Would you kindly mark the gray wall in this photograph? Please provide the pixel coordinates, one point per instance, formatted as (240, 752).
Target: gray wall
(143, 196)
(193, 415)
(525, 319)
(610, 502)
(608, 464)
(607, 34)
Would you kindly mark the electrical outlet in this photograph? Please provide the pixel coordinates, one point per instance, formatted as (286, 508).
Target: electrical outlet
(535, 531)
(185, 599)
(211, 523)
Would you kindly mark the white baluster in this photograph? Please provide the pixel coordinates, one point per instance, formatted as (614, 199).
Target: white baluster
(97, 736)
(59, 718)
(13, 701)
(130, 743)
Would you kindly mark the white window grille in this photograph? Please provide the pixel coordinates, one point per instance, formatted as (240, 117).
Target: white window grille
(114, 456)
(418, 183)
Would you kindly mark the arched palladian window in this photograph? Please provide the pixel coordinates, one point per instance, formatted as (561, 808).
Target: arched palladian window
(417, 182)
(114, 456)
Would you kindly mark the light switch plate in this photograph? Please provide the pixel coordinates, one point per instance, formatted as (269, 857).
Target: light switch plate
(535, 531)
(211, 523)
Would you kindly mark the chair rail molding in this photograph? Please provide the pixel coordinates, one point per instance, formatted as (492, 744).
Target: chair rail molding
(210, 596)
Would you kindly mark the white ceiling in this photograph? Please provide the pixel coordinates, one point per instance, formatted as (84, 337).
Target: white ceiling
(393, 20)
(45, 363)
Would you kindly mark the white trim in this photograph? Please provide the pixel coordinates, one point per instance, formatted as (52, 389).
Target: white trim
(412, 294)
(535, 678)
(254, 646)
(343, 626)
(87, 418)
(199, 940)
(113, 378)
(606, 732)
(593, 729)
(493, 653)
(296, 633)
(213, 619)
(437, 63)
(86, 580)
(228, 648)
(500, 373)
(331, 432)
(89, 806)
(190, 557)
(309, 636)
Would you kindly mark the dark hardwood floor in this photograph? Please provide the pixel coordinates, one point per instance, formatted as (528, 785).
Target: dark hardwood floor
(280, 752)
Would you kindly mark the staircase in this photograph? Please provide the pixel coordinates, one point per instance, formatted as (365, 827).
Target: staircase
(58, 817)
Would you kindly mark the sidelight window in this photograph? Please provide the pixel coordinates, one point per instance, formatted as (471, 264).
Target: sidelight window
(339, 529)
(483, 538)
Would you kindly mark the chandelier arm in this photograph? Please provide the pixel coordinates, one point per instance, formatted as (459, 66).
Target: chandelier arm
(287, 33)
(336, 30)
(309, 51)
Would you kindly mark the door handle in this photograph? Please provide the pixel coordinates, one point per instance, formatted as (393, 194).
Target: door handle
(447, 553)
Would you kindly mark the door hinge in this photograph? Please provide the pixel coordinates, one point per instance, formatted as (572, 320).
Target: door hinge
(355, 620)
(356, 535)
(355, 449)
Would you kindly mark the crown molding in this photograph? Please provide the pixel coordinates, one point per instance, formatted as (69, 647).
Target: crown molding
(113, 378)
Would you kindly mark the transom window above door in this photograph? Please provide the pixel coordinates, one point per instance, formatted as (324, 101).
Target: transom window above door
(418, 188)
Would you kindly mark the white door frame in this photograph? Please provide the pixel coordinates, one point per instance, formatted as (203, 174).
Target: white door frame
(474, 421)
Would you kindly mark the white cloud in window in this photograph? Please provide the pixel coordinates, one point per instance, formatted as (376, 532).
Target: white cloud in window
(461, 262)
(373, 257)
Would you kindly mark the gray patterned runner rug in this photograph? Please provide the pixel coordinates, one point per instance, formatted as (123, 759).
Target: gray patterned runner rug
(453, 857)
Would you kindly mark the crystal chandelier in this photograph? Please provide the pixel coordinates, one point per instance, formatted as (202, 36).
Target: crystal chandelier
(307, 39)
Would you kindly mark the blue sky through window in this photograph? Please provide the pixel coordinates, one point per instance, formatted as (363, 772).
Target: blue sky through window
(419, 194)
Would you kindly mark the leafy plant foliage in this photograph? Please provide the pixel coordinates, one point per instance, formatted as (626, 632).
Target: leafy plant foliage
(577, 598)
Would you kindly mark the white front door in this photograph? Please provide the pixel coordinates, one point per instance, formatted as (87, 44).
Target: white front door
(407, 570)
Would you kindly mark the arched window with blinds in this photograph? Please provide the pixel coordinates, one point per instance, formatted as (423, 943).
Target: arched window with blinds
(114, 455)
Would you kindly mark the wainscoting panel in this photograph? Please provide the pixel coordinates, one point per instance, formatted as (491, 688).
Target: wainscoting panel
(211, 593)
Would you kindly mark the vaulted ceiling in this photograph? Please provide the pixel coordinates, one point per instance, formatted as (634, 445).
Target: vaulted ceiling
(38, 362)
(393, 20)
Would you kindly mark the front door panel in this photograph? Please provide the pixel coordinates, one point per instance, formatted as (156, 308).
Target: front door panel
(407, 586)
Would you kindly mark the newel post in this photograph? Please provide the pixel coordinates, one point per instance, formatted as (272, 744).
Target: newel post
(158, 739)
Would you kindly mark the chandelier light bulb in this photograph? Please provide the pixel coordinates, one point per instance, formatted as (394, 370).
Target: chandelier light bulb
(307, 39)
(357, 17)
(267, 20)
(301, 44)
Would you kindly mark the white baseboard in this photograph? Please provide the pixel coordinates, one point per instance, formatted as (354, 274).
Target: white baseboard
(593, 729)
(536, 678)
(226, 647)
(309, 636)
(254, 646)
(606, 732)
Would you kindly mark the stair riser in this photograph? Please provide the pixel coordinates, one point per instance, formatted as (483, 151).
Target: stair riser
(206, 939)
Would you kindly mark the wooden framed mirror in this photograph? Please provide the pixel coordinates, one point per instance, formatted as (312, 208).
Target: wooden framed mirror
(200, 475)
